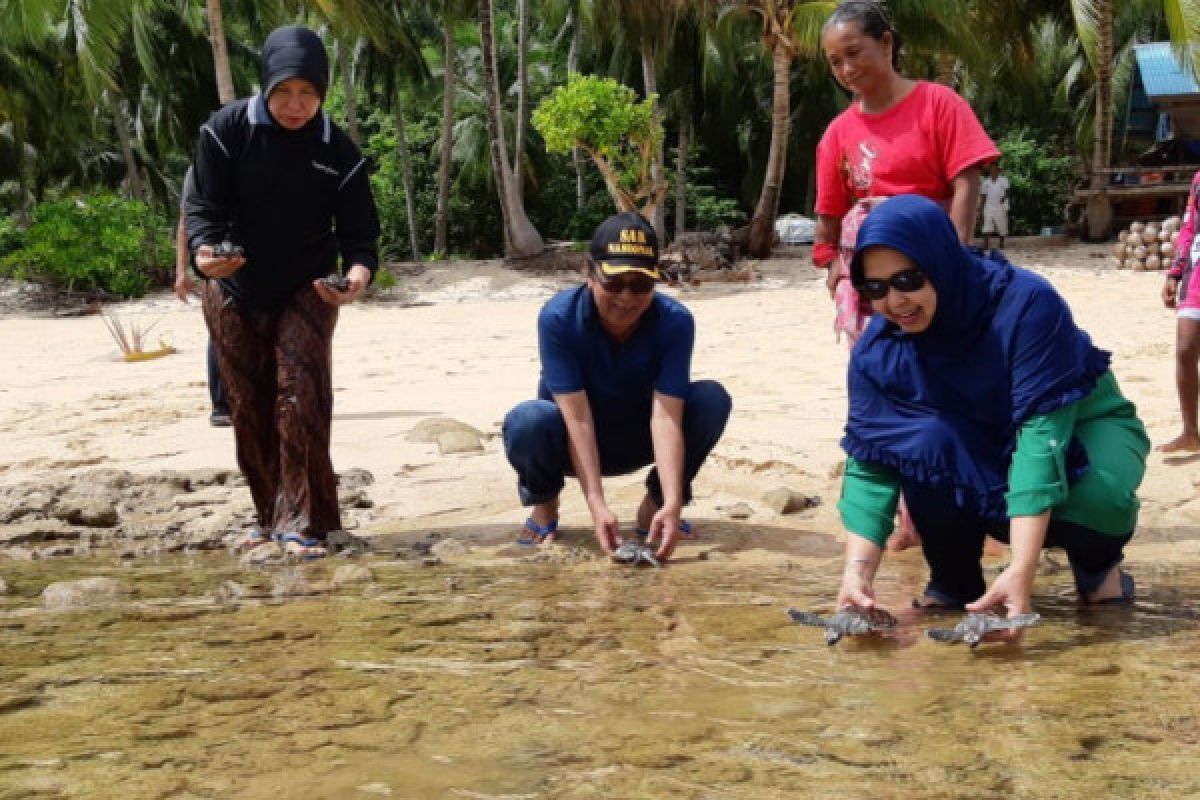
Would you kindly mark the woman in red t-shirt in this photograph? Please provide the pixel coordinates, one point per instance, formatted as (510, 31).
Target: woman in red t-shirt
(898, 136)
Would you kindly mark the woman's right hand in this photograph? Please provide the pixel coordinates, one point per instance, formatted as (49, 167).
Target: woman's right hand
(607, 529)
(1170, 291)
(856, 591)
(216, 267)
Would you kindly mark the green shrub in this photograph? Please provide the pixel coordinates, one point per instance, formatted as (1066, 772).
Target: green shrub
(95, 242)
(1040, 181)
(384, 279)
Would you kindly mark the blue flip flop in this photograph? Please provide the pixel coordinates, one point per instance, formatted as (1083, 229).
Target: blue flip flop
(536, 534)
(306, 542)
(685, 531)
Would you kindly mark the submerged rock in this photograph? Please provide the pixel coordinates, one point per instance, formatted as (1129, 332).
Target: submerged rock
(84, 593)
(447, 549)
(229, 593)
(266, 553)
(348, 574)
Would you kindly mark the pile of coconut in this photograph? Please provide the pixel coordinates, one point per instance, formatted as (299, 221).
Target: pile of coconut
(1147, 245)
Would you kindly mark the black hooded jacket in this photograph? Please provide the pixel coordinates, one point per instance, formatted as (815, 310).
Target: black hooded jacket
(294, 200)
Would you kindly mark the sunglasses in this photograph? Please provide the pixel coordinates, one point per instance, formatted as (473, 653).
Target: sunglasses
(909, 280)
(636, 283)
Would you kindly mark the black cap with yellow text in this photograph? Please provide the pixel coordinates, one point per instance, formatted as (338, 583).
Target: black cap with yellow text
(626, 243)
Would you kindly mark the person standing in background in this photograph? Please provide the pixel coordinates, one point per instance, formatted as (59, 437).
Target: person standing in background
(995, 206)
(184, 286)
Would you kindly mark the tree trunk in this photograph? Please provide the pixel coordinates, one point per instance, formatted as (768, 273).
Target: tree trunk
(521, 239)
(1102, 150)
(650, 78)
(133, 177)
(406, 176)
(522, 98)
(573, 67)
(442, 217)
(346, 67)
(762, 224)
(216, 36)
(685, 129)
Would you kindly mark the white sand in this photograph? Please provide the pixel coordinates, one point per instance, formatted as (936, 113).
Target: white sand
(68, 403)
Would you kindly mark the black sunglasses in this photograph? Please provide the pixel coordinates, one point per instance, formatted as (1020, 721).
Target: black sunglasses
(909, 280)
(634, 282)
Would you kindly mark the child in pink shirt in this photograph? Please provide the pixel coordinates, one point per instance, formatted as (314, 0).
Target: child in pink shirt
(1182, 292)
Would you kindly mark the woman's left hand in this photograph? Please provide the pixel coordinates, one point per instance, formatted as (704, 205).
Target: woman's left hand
(1011, 592)
(356, 282)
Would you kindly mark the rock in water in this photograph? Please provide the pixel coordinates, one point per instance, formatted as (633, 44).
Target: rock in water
(84, 593)
(348, 574)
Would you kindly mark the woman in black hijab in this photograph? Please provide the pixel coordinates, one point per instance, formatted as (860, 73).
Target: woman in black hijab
(281, 195)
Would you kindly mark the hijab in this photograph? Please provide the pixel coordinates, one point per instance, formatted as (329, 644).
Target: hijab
(943, 406)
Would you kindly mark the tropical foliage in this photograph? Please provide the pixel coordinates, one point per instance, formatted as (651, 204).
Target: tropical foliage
(98, 98)
(622, 136)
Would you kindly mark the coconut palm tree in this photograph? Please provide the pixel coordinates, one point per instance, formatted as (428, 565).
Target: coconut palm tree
(220, 49)
(781, 21)
(521, 239)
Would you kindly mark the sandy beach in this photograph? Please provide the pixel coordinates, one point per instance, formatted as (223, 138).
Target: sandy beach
(463, 347)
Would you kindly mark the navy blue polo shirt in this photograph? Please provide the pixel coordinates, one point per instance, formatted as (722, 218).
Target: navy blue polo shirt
(620, 378)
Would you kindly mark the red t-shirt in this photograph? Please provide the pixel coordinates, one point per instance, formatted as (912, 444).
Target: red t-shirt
(917, 146)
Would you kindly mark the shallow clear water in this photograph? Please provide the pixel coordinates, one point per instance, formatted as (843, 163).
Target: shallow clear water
(587, 680)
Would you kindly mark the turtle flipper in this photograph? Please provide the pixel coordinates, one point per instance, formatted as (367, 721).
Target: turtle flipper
(807, 618)
(944, 635)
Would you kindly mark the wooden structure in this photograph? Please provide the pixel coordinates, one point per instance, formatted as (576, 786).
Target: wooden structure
(1166, 96)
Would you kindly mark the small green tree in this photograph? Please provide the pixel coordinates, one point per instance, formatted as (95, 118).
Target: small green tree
(622, 136)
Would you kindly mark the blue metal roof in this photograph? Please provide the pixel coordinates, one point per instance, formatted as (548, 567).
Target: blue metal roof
(1162, 75)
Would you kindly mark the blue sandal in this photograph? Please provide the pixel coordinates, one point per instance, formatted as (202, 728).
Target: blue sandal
(685, 531)
(304, 543)
(536, 534)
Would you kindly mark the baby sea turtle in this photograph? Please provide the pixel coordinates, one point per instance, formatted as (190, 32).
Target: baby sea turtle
(848, 621)
(633, 554)
(975, 626)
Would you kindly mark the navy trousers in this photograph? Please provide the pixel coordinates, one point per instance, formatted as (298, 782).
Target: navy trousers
(535, 440)
(952, 540)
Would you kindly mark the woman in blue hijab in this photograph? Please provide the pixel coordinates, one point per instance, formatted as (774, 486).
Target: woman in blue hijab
(974, 392)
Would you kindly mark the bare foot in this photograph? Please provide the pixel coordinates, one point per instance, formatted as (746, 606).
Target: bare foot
(1116, 587)
(1183, 443)
(903, 539)
(928, 604)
